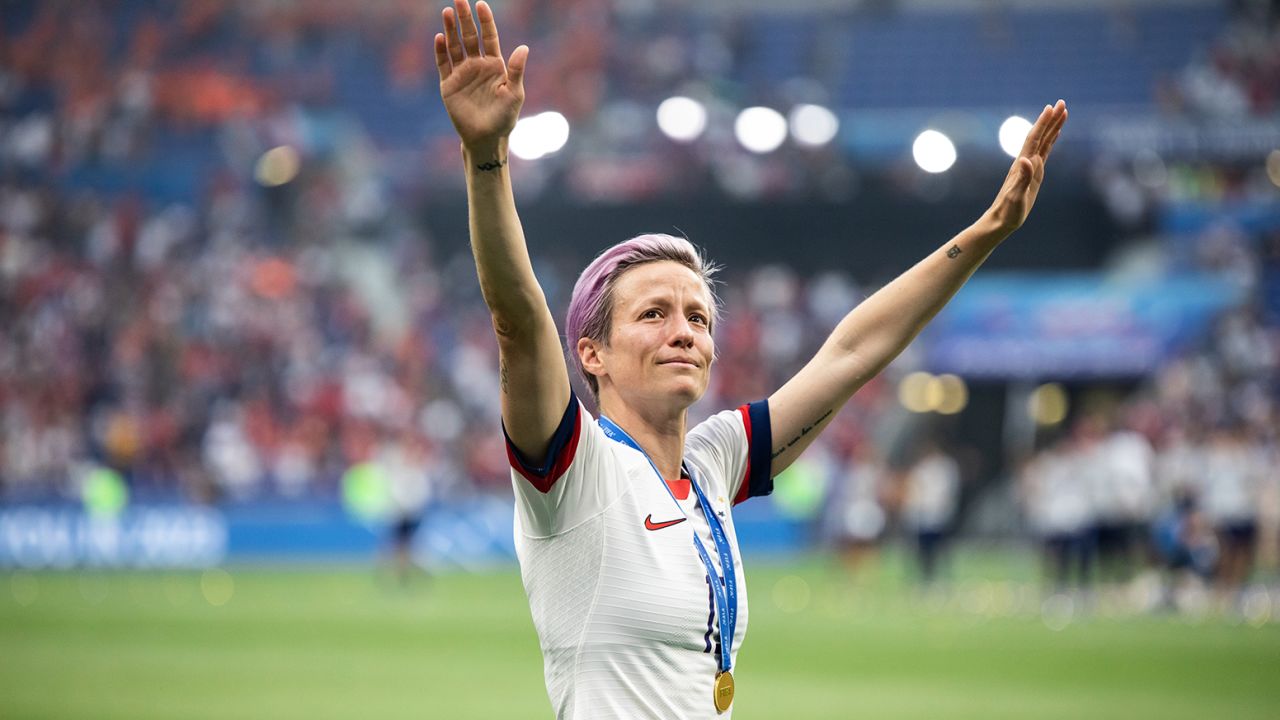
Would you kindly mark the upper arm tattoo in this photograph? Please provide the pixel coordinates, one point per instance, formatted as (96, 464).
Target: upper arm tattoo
(803, 431)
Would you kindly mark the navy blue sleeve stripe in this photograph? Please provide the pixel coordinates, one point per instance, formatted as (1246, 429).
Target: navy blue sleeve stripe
(563, 434)
(760, 481)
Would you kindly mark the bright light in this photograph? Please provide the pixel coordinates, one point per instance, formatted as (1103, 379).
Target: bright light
(539, 135)
(913, 392)
(1013, 132)
(760, 129)
(933, 151)
(1047, 404)
(813, 125)
(682, 119)
(955, 394)
(277, 166)
(921, 392)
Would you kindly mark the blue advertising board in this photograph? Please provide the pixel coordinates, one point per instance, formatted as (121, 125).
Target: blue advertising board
(1025, 326)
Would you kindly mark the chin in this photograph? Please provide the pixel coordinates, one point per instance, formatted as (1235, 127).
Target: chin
(689, 392)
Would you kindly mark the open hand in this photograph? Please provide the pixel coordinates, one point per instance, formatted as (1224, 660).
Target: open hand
(1022, 185)
(481, 93)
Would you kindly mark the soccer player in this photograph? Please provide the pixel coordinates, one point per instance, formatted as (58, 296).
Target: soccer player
(624, 525)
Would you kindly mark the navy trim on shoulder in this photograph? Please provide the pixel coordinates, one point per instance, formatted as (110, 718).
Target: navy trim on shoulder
(760, 481)
(565, 433)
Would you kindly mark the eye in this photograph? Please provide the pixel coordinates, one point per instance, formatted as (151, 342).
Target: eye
(698, 318)
(651, 314)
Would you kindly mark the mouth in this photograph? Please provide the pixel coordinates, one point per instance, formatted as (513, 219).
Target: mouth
(683, 363)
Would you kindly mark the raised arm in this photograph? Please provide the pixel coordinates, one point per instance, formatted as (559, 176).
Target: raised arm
(882, 326)
(483, 96)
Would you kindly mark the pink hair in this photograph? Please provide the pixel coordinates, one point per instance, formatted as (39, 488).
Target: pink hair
(590, 313)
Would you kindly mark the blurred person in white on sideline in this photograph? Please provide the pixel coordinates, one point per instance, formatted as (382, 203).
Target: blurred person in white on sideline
(406, 461)
(931, 496)
(1124, 501)
(1230, 492)
(1060, 512)
(858, 497)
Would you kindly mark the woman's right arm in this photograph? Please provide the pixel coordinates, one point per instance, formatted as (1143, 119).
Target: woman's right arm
(483, 96)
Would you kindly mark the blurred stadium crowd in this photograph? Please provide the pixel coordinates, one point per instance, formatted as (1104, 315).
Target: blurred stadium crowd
(215, 319)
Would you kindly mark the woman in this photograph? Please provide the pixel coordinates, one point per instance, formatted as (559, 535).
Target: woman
(632, 620)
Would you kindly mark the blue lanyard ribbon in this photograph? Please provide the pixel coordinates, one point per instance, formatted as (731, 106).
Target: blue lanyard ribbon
(725, 591)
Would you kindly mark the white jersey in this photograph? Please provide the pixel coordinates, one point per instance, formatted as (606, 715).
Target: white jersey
(618, 593)
(1058, 502)
(933, 489)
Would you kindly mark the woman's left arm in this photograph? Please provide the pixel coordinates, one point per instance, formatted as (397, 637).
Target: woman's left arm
(882, 326)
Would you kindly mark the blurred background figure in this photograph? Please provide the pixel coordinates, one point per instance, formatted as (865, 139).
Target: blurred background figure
(406, 461)
(931, 495)
(1187, 549)
(1124, 498)
(1231, 490)
(1055, 488)
(857, 500)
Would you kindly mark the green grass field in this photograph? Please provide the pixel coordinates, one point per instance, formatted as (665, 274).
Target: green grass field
(258, 642)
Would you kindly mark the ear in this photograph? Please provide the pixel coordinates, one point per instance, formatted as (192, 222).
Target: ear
(589, 354)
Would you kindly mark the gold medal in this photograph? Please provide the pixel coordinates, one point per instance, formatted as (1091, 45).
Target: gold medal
(723, 692)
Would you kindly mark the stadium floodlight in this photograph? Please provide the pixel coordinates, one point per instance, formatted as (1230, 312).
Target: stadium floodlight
(934, 152)
(913, 392)
(277, 166)
(682, 119)
(539, 135)
(1048, 404)
(1013, 132)
(813, 125)
(954, 394)
(760, 129)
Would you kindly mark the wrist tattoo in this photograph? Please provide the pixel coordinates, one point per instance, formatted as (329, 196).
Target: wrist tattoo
(953, 251)
(491, 165)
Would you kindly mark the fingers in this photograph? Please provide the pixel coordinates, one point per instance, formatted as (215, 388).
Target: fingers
(1044, 133)
(442, 57)
(488, 30)
(1032, 142)
(515, 67)
(467, 23)
(1047, 145)
(452, 43)
(1053, 124)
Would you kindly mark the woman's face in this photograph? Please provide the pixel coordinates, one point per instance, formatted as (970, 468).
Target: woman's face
(660, 343)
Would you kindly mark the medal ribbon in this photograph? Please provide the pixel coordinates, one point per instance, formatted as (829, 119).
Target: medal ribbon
(725, 591)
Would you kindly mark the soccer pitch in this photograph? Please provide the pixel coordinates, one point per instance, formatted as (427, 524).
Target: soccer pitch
(272, 642)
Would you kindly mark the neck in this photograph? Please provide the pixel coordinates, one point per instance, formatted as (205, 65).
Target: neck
(659, 433)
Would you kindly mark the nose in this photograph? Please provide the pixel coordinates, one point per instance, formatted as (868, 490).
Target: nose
(682, 333)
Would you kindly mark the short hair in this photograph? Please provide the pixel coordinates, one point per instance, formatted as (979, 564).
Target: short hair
(590, 313)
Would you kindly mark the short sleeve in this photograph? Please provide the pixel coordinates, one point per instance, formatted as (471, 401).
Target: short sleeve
(734, 445)
(576, 480)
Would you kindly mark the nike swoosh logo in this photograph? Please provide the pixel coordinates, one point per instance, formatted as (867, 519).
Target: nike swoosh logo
(649, 524)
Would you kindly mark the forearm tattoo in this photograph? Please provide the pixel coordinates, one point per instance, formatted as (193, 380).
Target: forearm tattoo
(953, 252)
(502, 375)
(804, 431)
(491, 165)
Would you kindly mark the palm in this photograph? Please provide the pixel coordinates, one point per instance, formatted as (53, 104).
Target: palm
(481, 93)
(480, 100)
